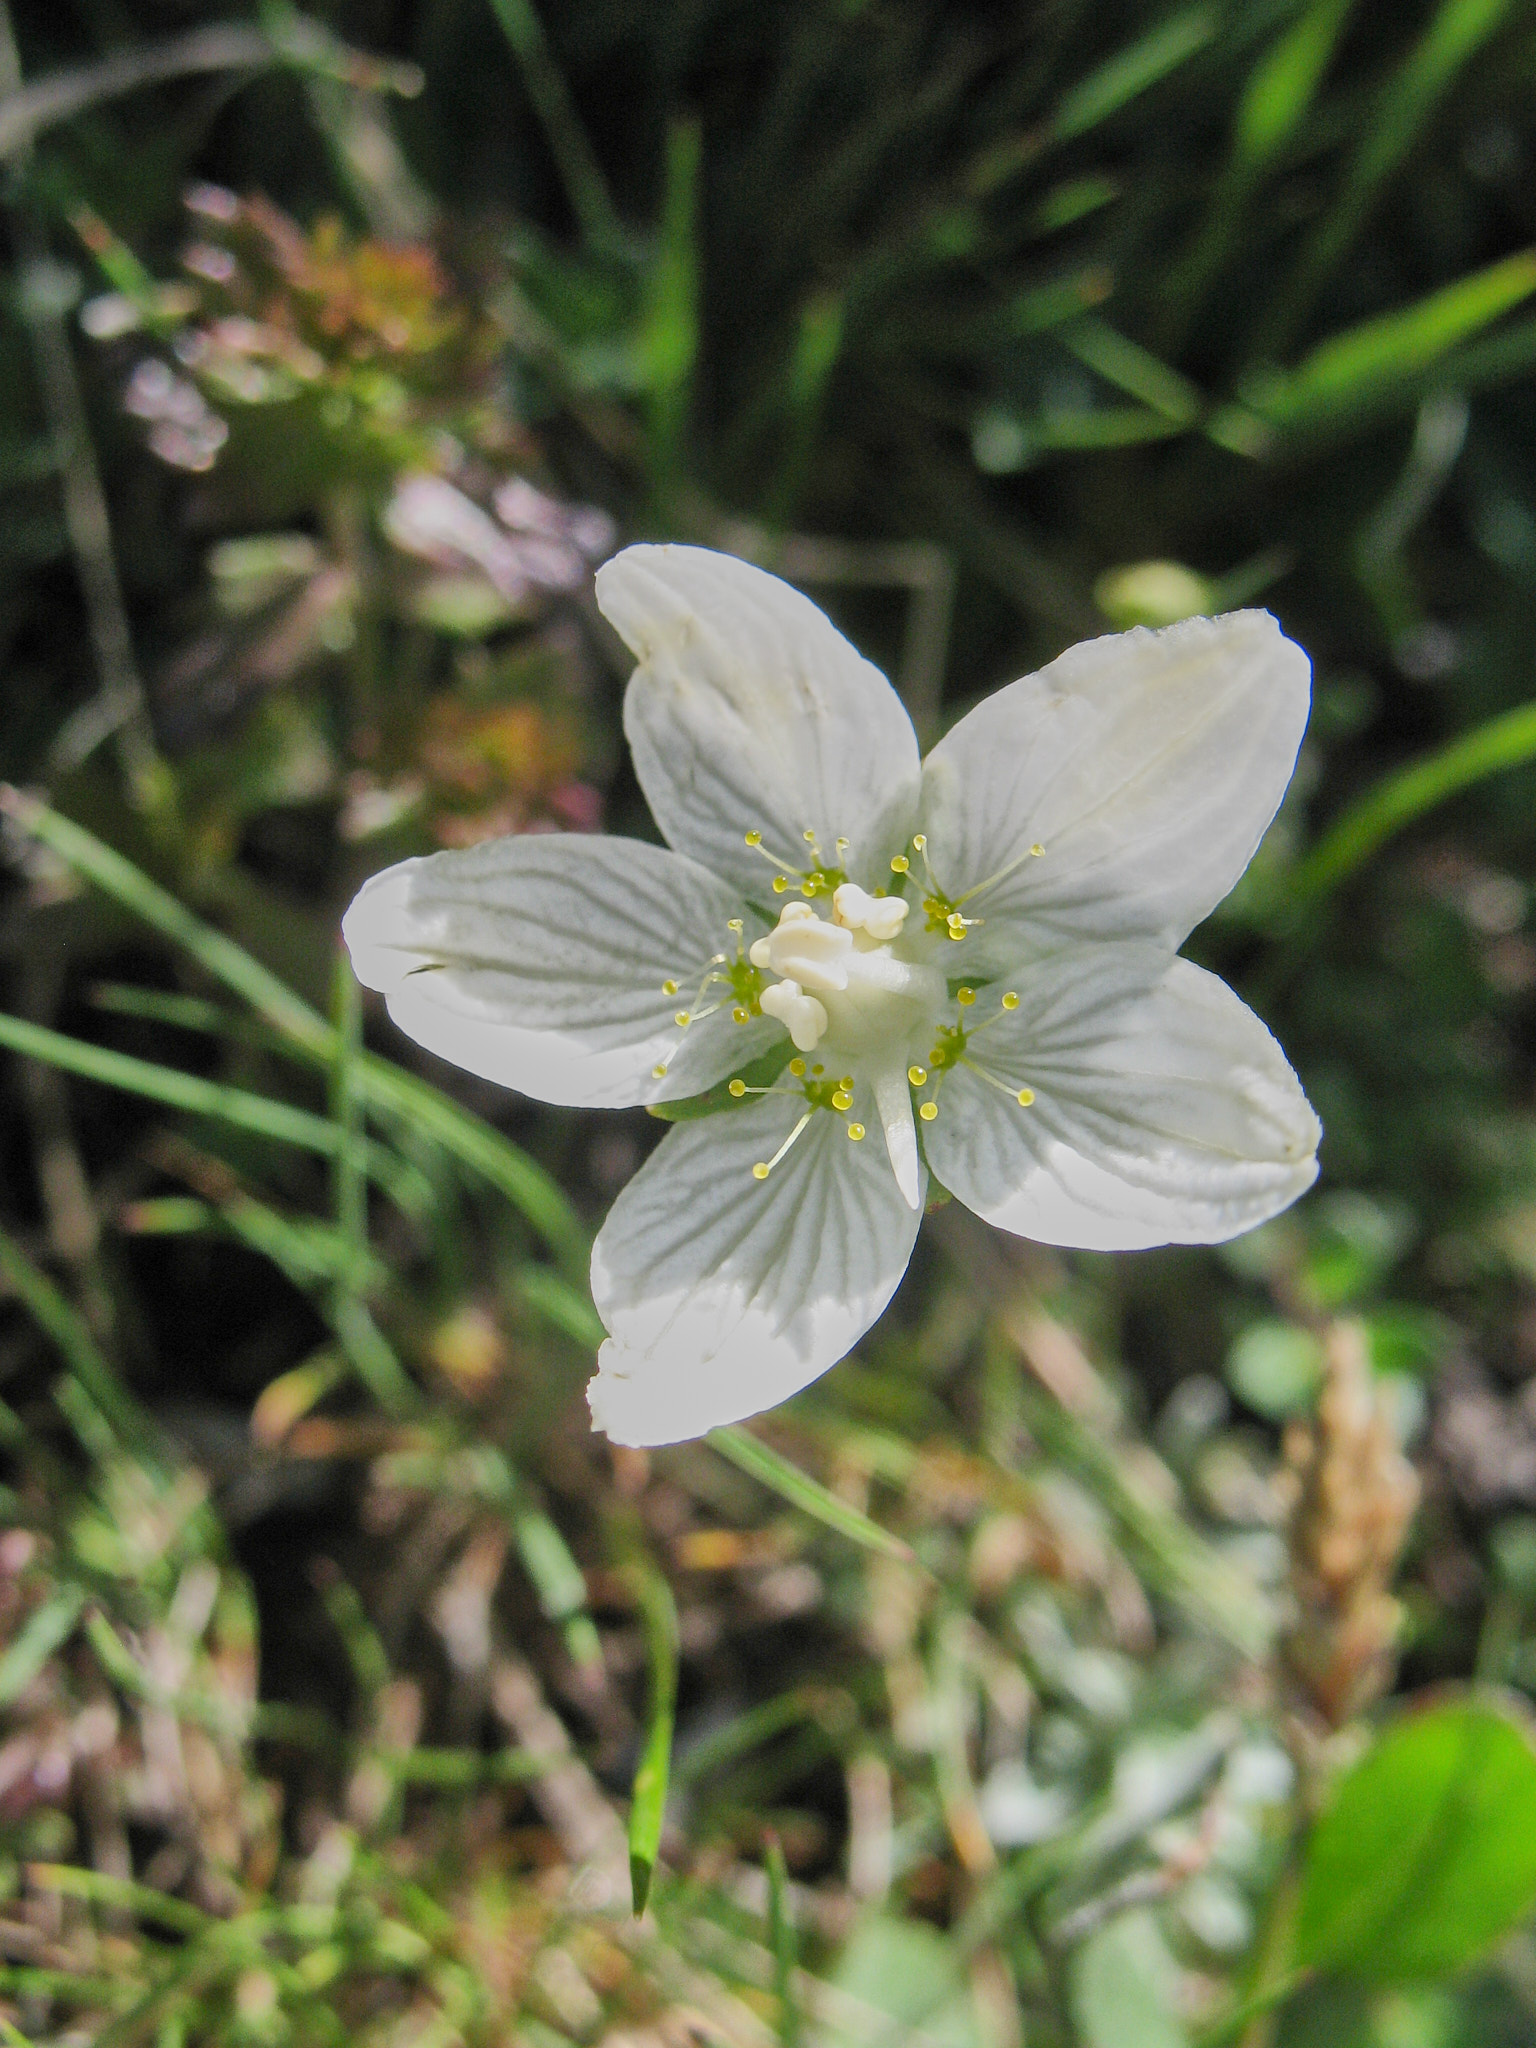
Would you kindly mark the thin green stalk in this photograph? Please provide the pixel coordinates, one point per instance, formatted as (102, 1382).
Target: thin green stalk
(45, 1630)
(1397, 800)
(1173, 1555)
(752, 1456)
(781, 1940)
(280, 1121)
(648, 1805)
(1404, 107)
(349, 1175)
(387, 1089)
(67, 1328)
(585, 186)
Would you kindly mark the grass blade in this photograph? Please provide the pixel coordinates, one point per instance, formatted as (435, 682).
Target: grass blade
(781, 1940)
(280, 1121)
(1508, 741)
(1405, 105)
(45, 1630)
(668, 341)
(751, 1455)
(648, 1804)
(67, 1328)
(584, 183)
(1132, 71)
(1386, 354)
(385, 1087)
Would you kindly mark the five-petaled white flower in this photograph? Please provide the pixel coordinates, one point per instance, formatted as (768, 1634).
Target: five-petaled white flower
(883, 966)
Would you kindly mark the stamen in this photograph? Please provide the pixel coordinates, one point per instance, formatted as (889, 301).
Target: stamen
(1010, 1000)
(842, 1098)
(917, 1076)
(965, 997)
(797, 1068)
(855, 1131)
(741, 1015)
(1022, 1096)
(900, 864)
(669, 988)
(738, 1088)
(682, 1020)
(1032, 853)
(927, 1111)
(764, 1167)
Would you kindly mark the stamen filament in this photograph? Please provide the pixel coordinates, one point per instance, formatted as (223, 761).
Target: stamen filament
(1030, 853)
(1022, 1096)
(764, 1167)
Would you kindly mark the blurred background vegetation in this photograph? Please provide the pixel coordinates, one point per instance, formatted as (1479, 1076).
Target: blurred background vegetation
(1130, 1652)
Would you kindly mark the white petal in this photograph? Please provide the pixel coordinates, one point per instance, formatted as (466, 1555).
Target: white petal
(1146, 764)
(749, 711)
(539, 961)
(1164, 1111)
(726, 1294)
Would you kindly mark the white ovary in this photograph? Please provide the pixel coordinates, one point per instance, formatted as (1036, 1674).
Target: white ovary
(844, 989)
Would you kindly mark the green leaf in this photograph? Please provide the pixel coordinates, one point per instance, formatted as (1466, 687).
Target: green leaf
(752, 1456)
(1123, 1982)
(904, 1968)
(1427, 1853)
(648, 1804)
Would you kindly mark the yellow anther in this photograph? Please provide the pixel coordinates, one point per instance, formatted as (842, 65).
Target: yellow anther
(1025, 1097)
(760, 1171)
(807, 888)
(658, 1073)
(754, 839)
(920, 841)
(740, 1015)
(818, 1068)
(797, 1068)
(738, 1089)
(669, 988)
(855, 1131)
(900, 864)
(681, 1018)
(1010, 1000)
(846, 1082)
(808, 836)
(956, 931)
(841, 1099)
(1037, 849)
(965, 997)
(927, 1111)
(917, 1076)
(780, 884)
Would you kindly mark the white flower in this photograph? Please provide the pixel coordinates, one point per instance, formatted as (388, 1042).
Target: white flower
(980, 948)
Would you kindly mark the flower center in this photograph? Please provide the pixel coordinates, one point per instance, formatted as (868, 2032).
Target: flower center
(842, 979)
